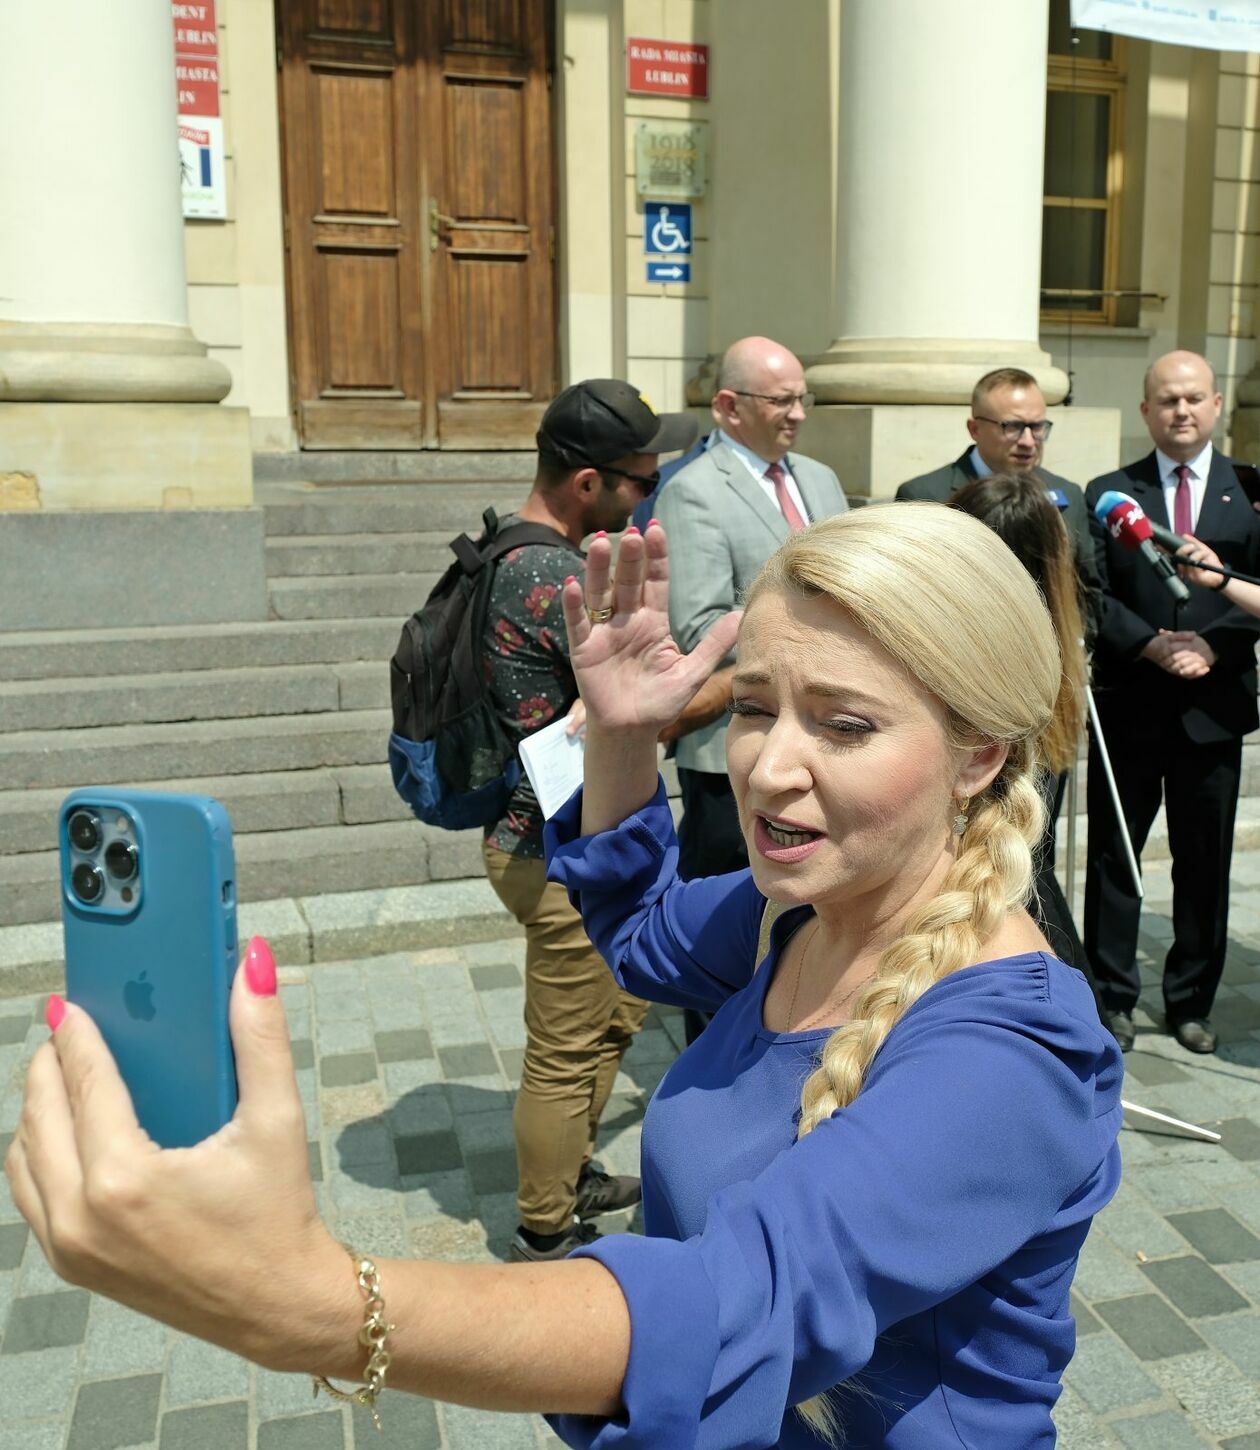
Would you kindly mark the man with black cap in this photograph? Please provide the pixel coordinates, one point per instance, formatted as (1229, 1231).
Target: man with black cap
(597, 451)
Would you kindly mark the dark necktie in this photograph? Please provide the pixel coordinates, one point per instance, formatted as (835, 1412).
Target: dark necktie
(783, 498)
(1183, 509)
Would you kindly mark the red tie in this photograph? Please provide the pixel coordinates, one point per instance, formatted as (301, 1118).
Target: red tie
(1183, 513)
(783, 498)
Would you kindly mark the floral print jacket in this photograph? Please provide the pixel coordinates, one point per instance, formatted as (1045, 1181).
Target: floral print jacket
(531, 682)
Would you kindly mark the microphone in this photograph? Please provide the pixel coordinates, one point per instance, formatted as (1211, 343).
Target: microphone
(1125, 521)
(1165, 538)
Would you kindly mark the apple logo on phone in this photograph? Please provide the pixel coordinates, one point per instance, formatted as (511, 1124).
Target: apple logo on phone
(138, 999)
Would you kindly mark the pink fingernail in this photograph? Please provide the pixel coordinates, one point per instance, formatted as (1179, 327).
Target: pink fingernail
(260, 968)
(54, 1011)
(633, 529)
(602, 534)
(572, 579)
(657, 522)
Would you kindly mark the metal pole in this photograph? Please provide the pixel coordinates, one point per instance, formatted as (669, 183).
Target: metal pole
(1193, 1129)
(1115, 794)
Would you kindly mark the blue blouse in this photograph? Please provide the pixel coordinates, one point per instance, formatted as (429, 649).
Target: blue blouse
(916, 1249)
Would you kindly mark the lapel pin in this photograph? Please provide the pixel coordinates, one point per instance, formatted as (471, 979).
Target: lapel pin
(1225, 497)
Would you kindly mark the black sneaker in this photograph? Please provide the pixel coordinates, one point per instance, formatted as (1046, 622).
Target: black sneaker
(599, 1192)
(525, 1250)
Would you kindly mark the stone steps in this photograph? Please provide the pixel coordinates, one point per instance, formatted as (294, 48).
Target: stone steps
(353, 597)
(285, 721)
(270, 864)
(301, 555)
(392, 509)
(110, 754)
(80, 655)
(35, 705)
(289, 800)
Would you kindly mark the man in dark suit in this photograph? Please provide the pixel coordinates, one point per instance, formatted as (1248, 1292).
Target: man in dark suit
(1176, 692)
(1009, 428)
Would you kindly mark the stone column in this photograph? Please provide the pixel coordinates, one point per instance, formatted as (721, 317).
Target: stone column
(942, 122)
(109, 401)
(938, 229)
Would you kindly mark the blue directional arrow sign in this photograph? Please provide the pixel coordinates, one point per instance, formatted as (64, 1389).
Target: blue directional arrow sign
(667, 228)
(669, 271)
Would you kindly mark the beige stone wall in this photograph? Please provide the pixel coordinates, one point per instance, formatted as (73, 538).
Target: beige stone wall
(765, 233)
(236, 283)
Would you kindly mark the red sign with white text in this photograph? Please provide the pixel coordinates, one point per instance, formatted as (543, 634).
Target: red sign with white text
(197, 87)
(195, 30)
(201, 155)
(666, 68)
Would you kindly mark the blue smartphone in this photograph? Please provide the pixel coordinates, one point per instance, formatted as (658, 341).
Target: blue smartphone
(148, 903)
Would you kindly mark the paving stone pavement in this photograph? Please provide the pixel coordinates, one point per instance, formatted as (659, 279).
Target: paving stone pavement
(407, 1066)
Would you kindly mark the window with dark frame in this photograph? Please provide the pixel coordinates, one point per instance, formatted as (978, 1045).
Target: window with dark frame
(1083, 173)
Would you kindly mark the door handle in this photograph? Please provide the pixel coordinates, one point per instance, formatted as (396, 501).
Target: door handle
(437, 220)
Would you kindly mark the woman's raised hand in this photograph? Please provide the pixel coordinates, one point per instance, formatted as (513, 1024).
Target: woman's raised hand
(630, 672)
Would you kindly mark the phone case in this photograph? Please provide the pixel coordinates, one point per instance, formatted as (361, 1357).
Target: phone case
(152, 958)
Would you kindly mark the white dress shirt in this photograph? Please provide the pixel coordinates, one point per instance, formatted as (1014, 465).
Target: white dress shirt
(757, 466)
(1198, 483)
(981, 467)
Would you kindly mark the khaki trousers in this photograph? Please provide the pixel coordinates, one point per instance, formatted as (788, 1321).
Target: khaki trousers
(578, 1024)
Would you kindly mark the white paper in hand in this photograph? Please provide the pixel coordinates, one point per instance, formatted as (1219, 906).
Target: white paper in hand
(553, 763)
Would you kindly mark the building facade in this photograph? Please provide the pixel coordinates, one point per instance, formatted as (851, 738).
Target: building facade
(435, 213)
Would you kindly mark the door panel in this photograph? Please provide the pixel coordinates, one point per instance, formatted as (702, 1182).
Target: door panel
(493, 268)
(418, 211)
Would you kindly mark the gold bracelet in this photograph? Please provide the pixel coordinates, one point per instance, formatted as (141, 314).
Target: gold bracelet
(372, 1336)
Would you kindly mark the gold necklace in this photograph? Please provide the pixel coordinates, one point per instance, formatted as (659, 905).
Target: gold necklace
(800, 972)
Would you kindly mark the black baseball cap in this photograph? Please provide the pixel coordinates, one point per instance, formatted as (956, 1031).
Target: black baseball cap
(603, 419)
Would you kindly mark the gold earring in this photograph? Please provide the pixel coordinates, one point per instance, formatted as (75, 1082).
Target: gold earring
(959, 823)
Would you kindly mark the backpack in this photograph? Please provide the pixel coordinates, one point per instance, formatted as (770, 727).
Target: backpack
(453, 760)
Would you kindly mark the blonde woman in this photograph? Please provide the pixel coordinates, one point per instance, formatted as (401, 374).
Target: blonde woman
(867, 1183)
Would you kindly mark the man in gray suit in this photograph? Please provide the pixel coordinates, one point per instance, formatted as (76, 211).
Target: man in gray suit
(1009, 428)
(725, 513)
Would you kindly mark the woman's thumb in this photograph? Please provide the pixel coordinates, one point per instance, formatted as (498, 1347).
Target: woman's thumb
(260, 1034)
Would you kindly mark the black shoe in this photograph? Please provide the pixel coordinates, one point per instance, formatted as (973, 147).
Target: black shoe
(530, 1248)
(599, 1192)
(1122, 1029)
(1195, 1034)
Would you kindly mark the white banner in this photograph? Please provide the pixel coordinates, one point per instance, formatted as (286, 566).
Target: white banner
(1233, 25)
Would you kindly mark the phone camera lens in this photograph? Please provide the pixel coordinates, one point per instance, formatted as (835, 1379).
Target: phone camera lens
(121, 860)
(88, 883)
(85, 830)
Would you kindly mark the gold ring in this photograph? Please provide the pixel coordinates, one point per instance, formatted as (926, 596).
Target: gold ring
(599, 616)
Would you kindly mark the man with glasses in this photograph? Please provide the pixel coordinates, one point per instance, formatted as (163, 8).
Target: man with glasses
(726, 513)
(1009, 430)
(597, 453)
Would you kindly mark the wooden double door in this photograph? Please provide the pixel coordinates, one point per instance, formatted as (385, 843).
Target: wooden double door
(418, 196)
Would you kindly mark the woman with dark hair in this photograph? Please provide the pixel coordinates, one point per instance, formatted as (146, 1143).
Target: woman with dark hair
(1021, 513)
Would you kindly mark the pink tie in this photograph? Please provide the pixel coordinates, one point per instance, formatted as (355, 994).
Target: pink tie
(1183, 521)
(783, 498)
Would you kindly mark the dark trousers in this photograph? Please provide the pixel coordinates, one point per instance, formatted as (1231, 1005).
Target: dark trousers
(1050, 905)
(1199, 785)
(710, 843)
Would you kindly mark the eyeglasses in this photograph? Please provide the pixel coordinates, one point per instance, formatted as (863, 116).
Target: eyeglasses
(648, 481)
(781, 402)
(1013, 428)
